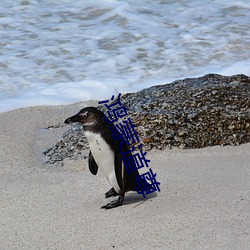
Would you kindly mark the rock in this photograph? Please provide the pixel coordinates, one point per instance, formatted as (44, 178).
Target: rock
(190, 113)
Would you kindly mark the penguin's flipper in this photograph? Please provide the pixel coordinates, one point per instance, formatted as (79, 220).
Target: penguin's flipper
(93, 167)
(113, 204)
(111, 193)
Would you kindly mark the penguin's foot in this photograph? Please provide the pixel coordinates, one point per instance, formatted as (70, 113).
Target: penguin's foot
(113, 204)
(111, 193)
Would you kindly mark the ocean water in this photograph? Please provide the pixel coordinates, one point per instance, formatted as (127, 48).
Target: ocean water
(61, 52)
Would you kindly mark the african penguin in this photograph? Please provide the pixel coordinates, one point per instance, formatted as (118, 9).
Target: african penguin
(106, 153)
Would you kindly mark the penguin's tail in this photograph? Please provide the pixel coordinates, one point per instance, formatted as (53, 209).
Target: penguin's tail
(144, 185)
(141, 183)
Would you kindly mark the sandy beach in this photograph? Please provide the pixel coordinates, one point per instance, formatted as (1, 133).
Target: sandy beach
(204, 201)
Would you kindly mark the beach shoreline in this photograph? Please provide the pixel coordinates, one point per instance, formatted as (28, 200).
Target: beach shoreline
(204, 201)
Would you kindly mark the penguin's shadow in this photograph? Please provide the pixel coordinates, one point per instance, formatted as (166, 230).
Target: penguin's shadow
(137, 199)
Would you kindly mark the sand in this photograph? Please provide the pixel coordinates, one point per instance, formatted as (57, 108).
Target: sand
(204, 202)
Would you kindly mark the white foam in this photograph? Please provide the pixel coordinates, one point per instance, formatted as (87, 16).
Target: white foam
(242, 67)
(61, 52)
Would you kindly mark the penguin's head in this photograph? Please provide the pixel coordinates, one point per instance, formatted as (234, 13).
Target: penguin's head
(88, 117)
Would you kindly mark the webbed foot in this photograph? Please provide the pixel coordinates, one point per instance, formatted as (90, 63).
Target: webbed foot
(113, 204)
(111, 193)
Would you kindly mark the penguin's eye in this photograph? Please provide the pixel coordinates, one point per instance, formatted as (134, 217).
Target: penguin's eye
(84, 115)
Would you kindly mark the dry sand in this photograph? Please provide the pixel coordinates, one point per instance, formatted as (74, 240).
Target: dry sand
(204, 201)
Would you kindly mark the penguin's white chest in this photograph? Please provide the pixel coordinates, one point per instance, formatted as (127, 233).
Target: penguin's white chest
(104, 157)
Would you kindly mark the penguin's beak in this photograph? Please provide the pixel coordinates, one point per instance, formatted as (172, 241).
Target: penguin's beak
(74, 118)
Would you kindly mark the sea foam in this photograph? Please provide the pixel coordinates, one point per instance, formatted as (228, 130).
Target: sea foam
(63, 52)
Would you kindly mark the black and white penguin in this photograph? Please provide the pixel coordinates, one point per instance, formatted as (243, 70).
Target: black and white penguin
(105, 153)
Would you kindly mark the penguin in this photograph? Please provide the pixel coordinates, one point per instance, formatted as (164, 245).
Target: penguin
(106, 154)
